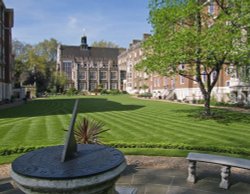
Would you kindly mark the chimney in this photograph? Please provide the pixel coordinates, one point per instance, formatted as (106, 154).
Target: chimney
(84, 44)
(146, 36)
(136, 41)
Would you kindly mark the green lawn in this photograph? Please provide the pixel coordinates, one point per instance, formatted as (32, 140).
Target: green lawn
(136, 126)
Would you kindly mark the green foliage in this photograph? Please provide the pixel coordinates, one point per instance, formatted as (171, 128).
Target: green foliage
(104, 44)
(115, 92)
(134, 124)
(144, 87)
(104, 92)
(58, 81)
(110, 92)
(145, 95)
(35, 63)
(124, 92)
(72, 92)
(88, 131)
(183, 33)
(83, 93)
(182, 147)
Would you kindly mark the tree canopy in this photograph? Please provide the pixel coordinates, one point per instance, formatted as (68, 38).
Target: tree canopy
(187, 32)
(104, 44)
(36, 64)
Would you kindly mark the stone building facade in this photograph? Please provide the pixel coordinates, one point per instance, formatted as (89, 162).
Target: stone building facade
(88, 68)
(6, 57)
(136, 81)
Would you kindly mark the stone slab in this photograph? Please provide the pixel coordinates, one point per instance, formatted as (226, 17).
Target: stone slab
(46, 163)
(95, 184)
(223, 160)
(126, 190)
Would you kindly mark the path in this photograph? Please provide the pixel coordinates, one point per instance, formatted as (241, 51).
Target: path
(165, 175)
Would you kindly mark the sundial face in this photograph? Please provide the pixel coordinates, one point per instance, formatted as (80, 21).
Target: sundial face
(46, 163)
(69, 161)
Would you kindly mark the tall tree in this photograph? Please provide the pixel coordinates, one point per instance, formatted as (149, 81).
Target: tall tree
(185, 32)
(105, 44)
(21, 53)
(35, 63)
(47, 49)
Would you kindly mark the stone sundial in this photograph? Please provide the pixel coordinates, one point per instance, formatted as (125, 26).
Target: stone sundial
(69, 168)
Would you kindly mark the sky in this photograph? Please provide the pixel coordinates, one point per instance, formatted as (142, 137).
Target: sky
(118, 21)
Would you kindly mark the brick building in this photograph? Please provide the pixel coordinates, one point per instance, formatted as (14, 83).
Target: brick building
(89, 67)
(6, 57)
(136, 81)
(177, 86)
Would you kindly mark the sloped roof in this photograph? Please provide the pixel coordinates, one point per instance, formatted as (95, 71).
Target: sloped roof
(93, 52)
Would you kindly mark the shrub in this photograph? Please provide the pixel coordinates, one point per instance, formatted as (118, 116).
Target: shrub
(88, 131)
(84, 93)
(115, 92)
(71, 92)
(104, 91)
(145, 95)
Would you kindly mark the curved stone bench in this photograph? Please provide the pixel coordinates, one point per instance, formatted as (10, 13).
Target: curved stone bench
(225, 161)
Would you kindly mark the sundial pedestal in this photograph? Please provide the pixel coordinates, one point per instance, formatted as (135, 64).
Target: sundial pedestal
(94, 170)
(69, 169)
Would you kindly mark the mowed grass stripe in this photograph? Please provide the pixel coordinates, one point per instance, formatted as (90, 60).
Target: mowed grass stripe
(183, 134)
(134, 126)
(116, 133)
(16, 134)
(53, 132)
(130, 120)
(199, 127)
(175, 128)
(36, 130)
(118, 129)
(145, 127)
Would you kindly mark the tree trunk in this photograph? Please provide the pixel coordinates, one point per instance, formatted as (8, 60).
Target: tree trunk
(207, 98)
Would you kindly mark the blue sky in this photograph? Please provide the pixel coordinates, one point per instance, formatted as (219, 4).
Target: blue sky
(118, 21)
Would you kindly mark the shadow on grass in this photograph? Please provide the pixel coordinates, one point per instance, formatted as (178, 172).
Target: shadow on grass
(46, 107)
(222, 116)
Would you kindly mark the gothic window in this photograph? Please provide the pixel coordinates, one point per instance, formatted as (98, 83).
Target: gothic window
(105, 86)
(67, 68)
(113, 86)
(113, 75)
(82, 86)
(103, 75)
(92, 75)
(92, 86)
(82, 75)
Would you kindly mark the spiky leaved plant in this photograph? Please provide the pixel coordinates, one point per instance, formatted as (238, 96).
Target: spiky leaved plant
(88, 130)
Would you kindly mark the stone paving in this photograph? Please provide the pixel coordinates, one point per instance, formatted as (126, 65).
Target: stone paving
(173, 181)
(169, 179)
